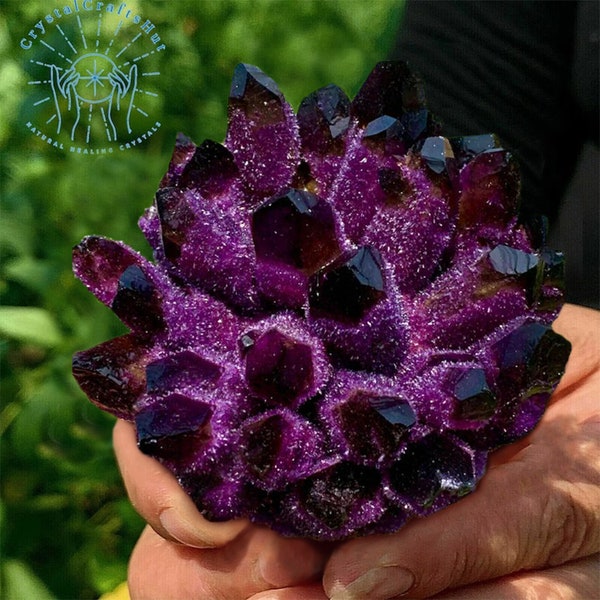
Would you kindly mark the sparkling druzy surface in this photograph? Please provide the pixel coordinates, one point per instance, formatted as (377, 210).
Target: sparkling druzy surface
(343, 317)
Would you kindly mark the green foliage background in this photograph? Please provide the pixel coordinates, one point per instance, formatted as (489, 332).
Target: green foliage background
(67, 528)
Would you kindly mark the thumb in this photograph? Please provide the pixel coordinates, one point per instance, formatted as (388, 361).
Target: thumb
(525, 514)
(159, 499)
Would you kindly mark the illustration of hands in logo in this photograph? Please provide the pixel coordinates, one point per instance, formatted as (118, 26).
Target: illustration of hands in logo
(64, 85)
(95, 88)
(122, 85)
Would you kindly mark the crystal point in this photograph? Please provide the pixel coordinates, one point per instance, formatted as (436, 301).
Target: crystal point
(432, 466)
(183, 368)
(323, 117)
(374, 425)
(112, 374)
(137, 301)
(391, 89)
(475, 399)
(333, 495)
(211, 169)
(510, 261)
(262, 444)
(178, 421)
(348, 290)
(248, 80)
(176, 219)
(436, 151)
(279, 368)
(394, 410)
(297, 229)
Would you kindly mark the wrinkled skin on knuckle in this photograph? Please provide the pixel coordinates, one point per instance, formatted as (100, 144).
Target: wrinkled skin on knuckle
(573, 507)
(566, 468)
(575, 531)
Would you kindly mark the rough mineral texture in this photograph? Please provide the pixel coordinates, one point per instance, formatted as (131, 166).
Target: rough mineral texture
(344, 315)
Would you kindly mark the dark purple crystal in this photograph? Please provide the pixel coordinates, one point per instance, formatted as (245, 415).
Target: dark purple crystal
(99, 263)
(182, 153)
(546, 284)
(176, 218)
(530, 357)
(467, 147)
(333, 495)
(489, 186)
(511, 261)
(260, 116)
(257, 94)
(395, 411)
(385, 134)
(391, 89)
(475, 399)
(169, 425)
(176, 370)
(297, 229)
(374, 425)
(137, 302)
(323, 117)
(274, 449)
(211, 169)
(432, 466)
(279, 368)
(436, 152)
(112, 374)
(346, 291)
(395, 186)
(262, 443)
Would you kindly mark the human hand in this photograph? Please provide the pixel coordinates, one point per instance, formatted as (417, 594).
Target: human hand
(182, 555)
(537, 509)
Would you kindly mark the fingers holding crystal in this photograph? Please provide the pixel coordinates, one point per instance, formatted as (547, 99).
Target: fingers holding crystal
(157, 496)
(493, 532)
(256, 561)
(538, 506)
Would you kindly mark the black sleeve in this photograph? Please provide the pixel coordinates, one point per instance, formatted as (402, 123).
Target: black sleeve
(502, 67)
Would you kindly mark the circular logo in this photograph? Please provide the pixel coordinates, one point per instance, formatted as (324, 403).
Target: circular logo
(94, 84)
(94, 71)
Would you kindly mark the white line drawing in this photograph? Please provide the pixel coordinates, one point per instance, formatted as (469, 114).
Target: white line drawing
(94, 79)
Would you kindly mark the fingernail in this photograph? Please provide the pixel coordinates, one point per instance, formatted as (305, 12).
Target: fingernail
(181, 530)
(377, 584)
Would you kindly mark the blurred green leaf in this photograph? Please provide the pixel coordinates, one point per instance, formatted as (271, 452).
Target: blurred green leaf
(20, 583)
(37, 275)
(42, 413)
(29, 324)
(15, 235)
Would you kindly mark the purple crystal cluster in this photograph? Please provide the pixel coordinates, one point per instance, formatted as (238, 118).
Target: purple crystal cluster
(343, 317)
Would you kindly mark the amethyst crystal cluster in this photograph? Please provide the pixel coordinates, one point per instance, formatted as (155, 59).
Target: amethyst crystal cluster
(344, 315)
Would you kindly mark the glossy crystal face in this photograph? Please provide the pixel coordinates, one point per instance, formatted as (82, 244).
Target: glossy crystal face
(343, 317)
